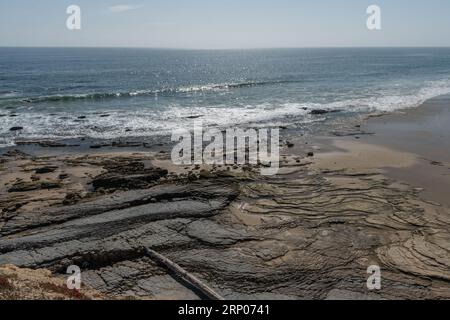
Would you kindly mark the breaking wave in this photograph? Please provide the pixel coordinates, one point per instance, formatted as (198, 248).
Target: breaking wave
(164, 91)
(148, 122)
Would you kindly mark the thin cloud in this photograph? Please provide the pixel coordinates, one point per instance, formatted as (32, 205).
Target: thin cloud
(122, 8)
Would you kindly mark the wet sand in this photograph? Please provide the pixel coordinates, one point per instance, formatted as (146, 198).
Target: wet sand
(424, 132)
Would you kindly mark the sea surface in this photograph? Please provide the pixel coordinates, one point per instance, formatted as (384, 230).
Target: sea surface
(56, 93)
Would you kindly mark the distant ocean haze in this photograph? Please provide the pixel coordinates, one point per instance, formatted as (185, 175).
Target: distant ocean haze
(60, 93)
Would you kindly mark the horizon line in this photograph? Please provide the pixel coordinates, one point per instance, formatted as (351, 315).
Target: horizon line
(224, 49)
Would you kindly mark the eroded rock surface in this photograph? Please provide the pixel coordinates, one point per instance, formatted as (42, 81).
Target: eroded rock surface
(305, 233)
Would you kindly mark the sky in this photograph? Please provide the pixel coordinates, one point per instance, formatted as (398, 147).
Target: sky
(213, 24)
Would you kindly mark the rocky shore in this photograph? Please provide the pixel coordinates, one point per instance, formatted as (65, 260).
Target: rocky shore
(309, 232)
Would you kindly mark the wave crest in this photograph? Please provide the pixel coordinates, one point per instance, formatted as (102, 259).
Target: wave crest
(165, 91)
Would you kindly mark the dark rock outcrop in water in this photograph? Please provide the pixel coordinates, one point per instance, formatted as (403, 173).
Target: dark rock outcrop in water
(45, 143)
(322, 111)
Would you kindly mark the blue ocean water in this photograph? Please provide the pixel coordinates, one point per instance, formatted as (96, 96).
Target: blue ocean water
(106, 93)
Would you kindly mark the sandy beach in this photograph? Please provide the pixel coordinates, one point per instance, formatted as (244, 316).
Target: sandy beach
(377, 195)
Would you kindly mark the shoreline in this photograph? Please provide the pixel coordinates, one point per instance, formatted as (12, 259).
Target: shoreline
(309, 232)
(421, 133)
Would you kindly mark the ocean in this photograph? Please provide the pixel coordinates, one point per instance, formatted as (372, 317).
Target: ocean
(105, 93)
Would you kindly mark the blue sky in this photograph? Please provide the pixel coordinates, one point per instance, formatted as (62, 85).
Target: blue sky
(225, 24)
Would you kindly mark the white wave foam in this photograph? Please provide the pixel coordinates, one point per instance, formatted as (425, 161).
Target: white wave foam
(390, 102)
(9, 94)
(156, 122)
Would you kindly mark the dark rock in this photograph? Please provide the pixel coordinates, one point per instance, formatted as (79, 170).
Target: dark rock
(345, 134)
(128, 144)
(194, 117)
(50, 185)
(310, 154)
(16, 129)
(192, 177)
(24, 186)
(319, 111)
(315, 241)
(51, 144)
(322, 111)
(100, 145)
(17, 154)
(108, 217)
(63, 176)
(134, 181)
(205, 174)
(125, 167)
(44, 170)
(13, 208)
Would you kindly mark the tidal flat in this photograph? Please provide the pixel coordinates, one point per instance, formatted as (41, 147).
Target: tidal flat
(340, 203)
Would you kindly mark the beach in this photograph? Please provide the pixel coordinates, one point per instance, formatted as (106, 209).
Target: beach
(372, 192)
